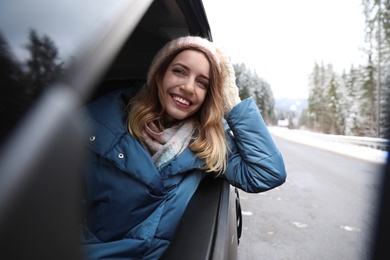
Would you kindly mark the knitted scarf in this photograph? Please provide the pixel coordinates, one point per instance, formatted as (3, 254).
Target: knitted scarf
(166, 145)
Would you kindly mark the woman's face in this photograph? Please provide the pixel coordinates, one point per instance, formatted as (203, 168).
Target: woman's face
(185, 85)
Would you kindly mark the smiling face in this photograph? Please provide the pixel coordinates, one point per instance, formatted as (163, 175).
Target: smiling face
(185, 85)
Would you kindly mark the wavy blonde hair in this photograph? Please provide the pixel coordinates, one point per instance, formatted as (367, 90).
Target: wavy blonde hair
(209, 142)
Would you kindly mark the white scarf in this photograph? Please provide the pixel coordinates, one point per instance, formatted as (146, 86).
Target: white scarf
(164, 146)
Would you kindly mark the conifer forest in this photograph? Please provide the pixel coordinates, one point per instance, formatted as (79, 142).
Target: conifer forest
(352, 102)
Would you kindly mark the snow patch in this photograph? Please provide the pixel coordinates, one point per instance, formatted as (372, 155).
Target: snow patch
(348, 228)
(246, 213)
(299, 225)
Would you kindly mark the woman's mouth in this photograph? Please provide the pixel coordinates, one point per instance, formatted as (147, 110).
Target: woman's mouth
(181, 100)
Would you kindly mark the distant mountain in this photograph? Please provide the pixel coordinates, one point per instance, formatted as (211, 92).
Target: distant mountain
(294, 104)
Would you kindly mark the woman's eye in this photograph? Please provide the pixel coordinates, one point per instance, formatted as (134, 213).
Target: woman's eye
(204, 83)
(178, 71)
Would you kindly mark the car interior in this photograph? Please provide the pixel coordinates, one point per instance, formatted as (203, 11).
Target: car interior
(40, 184)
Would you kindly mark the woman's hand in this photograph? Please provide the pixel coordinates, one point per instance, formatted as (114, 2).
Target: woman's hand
(231, 94)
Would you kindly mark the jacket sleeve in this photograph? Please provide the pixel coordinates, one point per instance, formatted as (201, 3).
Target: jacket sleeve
(255, 164)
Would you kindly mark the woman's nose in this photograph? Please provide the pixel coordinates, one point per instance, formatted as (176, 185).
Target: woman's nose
(189, 85)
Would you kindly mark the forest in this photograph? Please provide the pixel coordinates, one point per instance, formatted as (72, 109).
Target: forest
(353, 102)
(23, 82)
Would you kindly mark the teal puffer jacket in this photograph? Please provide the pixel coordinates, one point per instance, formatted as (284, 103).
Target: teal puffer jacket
(132, 209)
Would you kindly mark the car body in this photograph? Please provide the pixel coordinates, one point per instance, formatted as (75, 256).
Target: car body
(55, 57)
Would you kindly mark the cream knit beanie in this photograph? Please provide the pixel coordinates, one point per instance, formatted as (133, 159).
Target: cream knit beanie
(231, 95)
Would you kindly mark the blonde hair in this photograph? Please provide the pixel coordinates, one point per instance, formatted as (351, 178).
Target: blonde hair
(209, 142)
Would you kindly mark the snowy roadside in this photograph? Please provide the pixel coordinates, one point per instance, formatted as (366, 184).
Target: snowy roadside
(361, 152)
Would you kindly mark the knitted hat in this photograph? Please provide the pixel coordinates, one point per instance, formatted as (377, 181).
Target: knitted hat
(224, 65)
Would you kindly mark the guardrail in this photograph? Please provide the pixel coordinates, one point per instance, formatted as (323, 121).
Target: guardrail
(376, 143)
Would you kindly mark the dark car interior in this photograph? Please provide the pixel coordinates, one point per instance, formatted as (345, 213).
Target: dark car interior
(40, 183)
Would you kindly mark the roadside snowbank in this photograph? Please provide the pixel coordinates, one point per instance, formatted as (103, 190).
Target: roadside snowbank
(361, 152)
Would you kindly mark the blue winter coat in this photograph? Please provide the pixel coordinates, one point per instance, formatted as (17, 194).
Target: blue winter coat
(132, 209)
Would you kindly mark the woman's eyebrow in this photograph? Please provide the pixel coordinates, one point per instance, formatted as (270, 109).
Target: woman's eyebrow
(182, 65)
(189, 69)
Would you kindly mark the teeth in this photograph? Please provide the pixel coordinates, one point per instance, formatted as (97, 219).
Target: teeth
(183, 101)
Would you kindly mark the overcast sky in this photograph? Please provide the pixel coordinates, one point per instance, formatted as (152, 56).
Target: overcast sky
(283, 39)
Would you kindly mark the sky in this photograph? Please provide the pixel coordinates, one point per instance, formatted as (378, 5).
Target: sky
(281, 40)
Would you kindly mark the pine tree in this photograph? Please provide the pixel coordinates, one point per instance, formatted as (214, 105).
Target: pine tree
(316, 98)
(367, 99)
(377, 13)
(332, 108)
(351, 105)
(44, 65)
(242, 80)
(250, 84)
(13, 100)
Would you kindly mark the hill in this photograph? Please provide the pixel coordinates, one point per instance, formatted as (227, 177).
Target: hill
(291, 104)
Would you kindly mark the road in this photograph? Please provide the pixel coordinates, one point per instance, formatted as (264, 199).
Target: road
(325, 210)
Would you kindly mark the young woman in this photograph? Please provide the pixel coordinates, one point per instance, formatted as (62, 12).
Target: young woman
(151, 149)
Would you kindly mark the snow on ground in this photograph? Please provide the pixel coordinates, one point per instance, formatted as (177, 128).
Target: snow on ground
(303, 137)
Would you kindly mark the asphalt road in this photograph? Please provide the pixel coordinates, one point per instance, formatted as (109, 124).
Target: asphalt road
(325, 210)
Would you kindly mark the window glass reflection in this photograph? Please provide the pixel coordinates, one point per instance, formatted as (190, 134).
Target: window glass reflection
(38, 41)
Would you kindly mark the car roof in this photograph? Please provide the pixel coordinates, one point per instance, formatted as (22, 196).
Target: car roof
(165, 20)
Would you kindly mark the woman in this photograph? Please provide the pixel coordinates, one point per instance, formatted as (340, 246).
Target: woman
(150, 151)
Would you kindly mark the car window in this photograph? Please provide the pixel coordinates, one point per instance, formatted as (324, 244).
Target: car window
(39, 40)
(65, 23)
